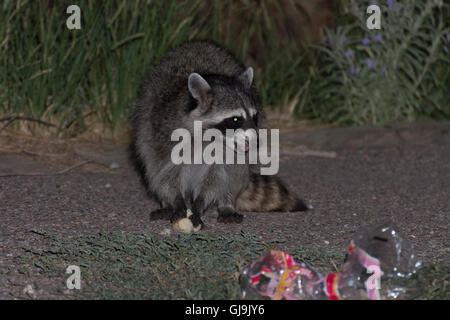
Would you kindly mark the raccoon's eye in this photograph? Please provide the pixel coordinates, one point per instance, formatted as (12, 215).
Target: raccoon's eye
(234, 122)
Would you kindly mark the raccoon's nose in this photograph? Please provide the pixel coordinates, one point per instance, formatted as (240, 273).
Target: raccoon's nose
(247, 144)
(243, 144)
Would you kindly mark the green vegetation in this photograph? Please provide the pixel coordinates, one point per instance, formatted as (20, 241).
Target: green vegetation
(48, 71)
(197, 266)
(142, 266)
(75, 78)
(400, 72)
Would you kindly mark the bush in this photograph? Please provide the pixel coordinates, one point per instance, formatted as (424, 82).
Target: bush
(397, 73)
(84, 77)
(75, 77)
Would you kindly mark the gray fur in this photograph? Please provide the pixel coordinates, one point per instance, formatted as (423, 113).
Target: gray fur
(198, 87)
(196, 81)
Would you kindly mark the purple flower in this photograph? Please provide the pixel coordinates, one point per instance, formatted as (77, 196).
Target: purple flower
(370, 63)
(365, 41)
(350, 53)
(354, 70)
(383, 69)
(378, 38)
(390, 3)
(447, 37)
(445, 49)
(344, 39)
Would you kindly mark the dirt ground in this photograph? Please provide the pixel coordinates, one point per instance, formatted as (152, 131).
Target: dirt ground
(352, 177)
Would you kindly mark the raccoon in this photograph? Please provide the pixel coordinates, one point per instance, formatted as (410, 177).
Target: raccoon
(201, 81)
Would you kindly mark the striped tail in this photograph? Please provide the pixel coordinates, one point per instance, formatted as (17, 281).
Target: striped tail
(266, 194)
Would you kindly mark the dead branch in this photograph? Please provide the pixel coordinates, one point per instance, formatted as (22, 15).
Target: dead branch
(46, 174)
(11, 119)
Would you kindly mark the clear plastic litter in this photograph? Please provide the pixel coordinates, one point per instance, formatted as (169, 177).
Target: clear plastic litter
(379, 265)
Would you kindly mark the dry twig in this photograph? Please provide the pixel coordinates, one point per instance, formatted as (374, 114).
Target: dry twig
(45, 174)
(11, 119)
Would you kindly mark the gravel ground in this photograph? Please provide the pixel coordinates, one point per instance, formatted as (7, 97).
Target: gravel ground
(362, 177)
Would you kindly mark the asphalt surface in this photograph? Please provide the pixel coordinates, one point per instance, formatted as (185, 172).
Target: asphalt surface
(363, 176)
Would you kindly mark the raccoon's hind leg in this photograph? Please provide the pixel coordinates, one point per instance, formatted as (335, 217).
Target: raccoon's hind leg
(229, 215)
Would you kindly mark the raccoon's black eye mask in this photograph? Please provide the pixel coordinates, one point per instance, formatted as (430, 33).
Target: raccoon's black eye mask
(237, 122)
(230, 123)
(255, 120)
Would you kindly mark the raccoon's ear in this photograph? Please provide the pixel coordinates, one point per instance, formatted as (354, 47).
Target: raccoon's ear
(199, 88)
(246, 77)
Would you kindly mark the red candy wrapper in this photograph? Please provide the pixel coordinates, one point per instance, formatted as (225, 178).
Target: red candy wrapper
(277, 276)
(379, 265)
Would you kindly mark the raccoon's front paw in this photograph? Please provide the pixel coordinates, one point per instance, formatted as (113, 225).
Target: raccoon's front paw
(228, 215)
(187, 224)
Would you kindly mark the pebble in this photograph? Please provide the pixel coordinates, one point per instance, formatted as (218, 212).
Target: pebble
(114, 165)
(28, 290)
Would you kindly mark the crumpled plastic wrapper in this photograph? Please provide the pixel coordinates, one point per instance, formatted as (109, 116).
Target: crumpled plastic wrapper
(277, 276)
(379, 265)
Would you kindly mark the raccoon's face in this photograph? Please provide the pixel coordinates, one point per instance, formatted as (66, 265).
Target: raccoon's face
(239, 129)
(229, 106)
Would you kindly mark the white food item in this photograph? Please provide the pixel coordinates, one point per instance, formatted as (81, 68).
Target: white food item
(185, 225)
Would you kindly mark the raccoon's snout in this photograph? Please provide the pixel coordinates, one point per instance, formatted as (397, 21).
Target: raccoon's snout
(246, 139)
(240, 146)
(246, 145)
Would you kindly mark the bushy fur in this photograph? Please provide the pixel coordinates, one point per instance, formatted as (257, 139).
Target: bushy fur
(166, 103)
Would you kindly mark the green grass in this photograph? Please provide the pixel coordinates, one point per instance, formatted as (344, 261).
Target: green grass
(197, 266)
(398, 73)
(142, 266)
(436, 279)
(76, 78)
(48, 71)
